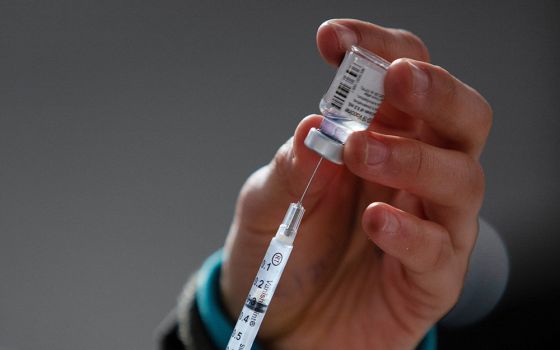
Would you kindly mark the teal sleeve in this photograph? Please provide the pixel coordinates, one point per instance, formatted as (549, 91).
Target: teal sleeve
(218, 324)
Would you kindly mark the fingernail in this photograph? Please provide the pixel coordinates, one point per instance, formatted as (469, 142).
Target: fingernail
(391, 224)
(420, 79)
(376, 152)
(346, 36)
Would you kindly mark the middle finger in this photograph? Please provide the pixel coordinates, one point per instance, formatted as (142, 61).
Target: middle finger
(445, 177)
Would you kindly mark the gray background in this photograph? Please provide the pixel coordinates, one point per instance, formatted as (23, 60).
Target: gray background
(128, 127)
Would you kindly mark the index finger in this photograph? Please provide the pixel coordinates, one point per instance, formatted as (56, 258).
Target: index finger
(335, 36)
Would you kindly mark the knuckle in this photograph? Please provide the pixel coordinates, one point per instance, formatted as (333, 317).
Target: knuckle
(486, 114)
(447, 87)
(411, 162)
(445, 91)
(483, 113)
(441, 254)
(474, 182)
(434, 248)
(415, 43)
(419, 161)
(440, 97)
(247, 191)
(453, 292)
(478, 182)
(282, 161)
(386, 43)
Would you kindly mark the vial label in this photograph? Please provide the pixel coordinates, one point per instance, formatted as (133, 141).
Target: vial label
(357, 90)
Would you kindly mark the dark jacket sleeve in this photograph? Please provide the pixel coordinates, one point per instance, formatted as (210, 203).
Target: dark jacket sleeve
(183, 329)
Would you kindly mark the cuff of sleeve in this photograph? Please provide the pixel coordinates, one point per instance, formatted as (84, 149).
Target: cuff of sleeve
(209, 304)
(430, 340)
(216, 321)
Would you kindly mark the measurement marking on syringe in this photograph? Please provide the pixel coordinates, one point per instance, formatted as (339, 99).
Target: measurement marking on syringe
(256, 306)
(266, 281)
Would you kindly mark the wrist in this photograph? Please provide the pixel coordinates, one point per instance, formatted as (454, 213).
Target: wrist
(220, 326)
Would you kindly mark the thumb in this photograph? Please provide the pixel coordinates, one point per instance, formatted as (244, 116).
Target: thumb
(267, 193)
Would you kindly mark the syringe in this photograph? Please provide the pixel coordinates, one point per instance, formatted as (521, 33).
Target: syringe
(349, 105)
(268, 276)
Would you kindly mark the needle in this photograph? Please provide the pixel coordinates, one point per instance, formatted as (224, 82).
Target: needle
(310, 180)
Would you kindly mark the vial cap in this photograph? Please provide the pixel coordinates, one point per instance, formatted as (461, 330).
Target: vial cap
(325, 146)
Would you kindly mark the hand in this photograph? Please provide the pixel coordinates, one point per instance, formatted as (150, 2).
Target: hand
(383, 248)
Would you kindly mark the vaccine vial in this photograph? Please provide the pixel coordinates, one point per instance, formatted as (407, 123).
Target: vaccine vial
(350, 102)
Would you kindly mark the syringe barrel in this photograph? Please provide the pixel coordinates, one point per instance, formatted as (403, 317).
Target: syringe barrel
(266, 281)
(260, 295)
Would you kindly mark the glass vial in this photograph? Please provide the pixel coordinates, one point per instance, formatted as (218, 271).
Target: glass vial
(350, 102)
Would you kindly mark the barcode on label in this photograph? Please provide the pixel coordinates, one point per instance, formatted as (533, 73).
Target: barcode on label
(346, 85)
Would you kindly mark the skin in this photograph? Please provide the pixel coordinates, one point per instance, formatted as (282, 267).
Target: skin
(383, 248)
